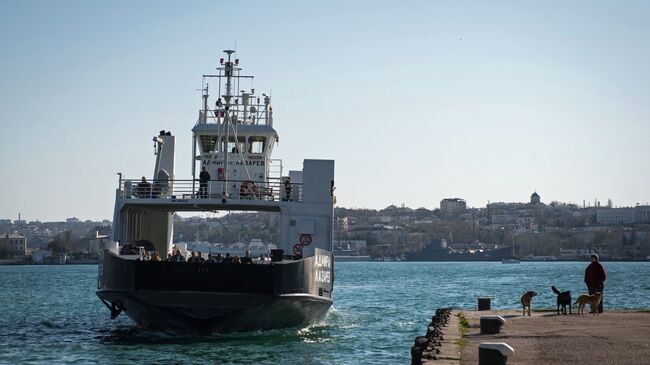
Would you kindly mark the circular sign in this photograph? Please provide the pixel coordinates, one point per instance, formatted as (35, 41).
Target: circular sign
(297, 250)
(305, 239)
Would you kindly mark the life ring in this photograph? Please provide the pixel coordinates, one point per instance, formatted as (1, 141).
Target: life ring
(243, 188)
(247, 188)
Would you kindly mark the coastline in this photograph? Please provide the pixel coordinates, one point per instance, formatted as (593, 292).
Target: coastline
(95, 262)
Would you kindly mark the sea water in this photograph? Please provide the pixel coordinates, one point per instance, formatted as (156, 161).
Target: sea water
(50, 314)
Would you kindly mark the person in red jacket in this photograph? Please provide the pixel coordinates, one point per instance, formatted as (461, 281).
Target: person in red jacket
(595, 279)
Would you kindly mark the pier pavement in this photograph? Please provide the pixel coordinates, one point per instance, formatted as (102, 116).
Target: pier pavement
(613, 337)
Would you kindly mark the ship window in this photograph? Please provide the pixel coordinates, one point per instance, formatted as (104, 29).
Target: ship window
(233, 147)
(256, 144)
(208, 143)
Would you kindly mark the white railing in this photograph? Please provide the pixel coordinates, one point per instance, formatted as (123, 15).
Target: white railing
(275, 168)
(274, 189)
(245, 114)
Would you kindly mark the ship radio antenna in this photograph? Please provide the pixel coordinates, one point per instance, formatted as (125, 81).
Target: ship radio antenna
(227, 97)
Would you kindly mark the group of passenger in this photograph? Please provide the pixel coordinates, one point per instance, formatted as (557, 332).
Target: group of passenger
(197, 258)
(247, 189)
(155, 256)
(145, 189)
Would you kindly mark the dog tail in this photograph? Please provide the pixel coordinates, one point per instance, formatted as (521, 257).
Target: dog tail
(555, 290)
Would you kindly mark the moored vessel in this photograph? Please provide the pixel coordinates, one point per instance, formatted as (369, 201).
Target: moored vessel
(437, 250)
(232, 144)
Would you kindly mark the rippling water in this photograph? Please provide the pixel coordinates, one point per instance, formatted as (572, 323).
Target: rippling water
(51, 314)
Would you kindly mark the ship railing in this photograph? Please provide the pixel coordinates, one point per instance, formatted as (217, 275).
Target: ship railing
(252, 114)
(275, 168)
(273, 189)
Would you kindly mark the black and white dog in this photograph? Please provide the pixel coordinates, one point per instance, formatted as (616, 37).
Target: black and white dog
(563, 299)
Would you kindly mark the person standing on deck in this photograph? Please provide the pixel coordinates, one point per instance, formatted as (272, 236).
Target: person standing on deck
(287, 189)
(204, 177)
(595, 279)
(143, 190)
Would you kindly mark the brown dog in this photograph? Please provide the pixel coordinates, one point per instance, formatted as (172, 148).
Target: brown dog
(593, 300)
(526, 299)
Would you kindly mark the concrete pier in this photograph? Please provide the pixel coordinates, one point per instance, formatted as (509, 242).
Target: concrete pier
(619, 337)
(614, 337)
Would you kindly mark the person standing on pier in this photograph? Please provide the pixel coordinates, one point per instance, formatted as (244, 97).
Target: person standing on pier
(595, 279)
(204, 177)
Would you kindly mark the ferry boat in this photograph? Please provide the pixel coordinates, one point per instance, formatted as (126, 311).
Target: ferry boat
(232, 142)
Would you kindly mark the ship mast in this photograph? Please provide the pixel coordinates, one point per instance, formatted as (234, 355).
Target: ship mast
(229, 71)
(228, 67)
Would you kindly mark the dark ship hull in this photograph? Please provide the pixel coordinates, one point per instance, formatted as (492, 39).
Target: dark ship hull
(209, 298)
(435, 253)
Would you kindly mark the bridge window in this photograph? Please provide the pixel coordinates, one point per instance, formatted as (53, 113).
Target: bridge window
(208, 143)
(233, 147)
(256, 144)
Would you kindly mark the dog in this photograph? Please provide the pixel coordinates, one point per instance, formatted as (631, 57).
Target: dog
(563, 299)
(593, 300)
(526, 299)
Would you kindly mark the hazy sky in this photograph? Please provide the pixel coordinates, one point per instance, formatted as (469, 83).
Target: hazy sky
(416, 101)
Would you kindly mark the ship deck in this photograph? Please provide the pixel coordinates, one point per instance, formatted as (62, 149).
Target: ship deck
(191, 195)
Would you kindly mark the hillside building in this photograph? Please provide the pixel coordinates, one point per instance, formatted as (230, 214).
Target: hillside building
(452, 205)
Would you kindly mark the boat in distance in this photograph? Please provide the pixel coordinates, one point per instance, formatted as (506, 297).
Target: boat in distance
(437, 250)
(232, 145)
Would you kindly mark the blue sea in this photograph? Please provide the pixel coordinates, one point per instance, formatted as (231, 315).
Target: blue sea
(50, 314)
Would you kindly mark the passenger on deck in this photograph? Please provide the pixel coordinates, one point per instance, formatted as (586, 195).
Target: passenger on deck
(204, 177)
(178, 257)
(211, 259)
(287, 190)
(227, 259)
(200, 258)
(155, 257)
(193, 258)
(247, 259)
(236, 260)
(169, 256)
(219, 258)
(144, 188)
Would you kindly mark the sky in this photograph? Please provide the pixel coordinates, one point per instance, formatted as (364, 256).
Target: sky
(416, 101)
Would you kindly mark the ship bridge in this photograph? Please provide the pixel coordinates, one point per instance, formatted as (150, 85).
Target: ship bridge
(231, 170)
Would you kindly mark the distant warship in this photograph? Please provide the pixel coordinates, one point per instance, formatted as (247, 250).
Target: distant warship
(437, 250)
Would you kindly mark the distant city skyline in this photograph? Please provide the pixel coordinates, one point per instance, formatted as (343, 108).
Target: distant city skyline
(594, 204)
(481, 101)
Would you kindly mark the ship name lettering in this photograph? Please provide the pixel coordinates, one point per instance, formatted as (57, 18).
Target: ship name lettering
(234, 163)
(323, 276)
(323, 261)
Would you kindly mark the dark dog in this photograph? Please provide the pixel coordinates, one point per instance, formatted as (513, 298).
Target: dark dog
(563, 299)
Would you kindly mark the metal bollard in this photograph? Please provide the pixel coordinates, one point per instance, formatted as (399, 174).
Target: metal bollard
(484, 303)
(491, 324)
(494, 353)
